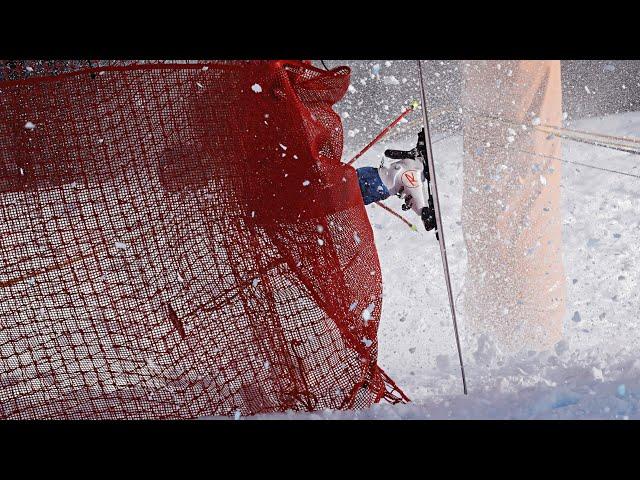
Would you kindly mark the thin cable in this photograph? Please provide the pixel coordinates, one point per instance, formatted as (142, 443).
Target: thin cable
(610, 145)
(578, 163)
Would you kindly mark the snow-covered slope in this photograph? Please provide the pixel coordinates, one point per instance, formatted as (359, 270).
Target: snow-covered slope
(593, 373)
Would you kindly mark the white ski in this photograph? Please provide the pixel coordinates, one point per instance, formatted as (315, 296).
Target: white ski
(433, 192)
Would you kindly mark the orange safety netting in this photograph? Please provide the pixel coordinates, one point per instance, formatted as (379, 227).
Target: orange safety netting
(181, 240)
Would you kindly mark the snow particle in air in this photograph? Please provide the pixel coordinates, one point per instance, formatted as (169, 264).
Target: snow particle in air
(29, 125)
(306, 183)
(256, 88)
(121, 246)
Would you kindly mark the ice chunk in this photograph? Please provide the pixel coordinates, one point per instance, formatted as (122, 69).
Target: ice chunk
(561, 347)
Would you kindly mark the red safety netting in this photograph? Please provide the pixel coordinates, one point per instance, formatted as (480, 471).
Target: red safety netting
(181, 240)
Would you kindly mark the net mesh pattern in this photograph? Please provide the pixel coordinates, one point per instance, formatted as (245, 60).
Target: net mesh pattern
(181, 240)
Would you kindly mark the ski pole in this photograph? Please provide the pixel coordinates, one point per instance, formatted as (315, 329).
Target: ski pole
(410, 108)
(397, 215)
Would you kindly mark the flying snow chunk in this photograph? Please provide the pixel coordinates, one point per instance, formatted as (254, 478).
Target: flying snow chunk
(121, 246)
(29, 125)
(596, 373)
(390, 80)
(366, 313)
(255, 282)
(256, 88)
(320, 242)
(306, 183)
(367, 342)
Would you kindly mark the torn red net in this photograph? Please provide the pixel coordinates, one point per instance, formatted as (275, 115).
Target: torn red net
(182, 240)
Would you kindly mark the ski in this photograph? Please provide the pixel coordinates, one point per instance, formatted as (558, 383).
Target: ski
(434, 203)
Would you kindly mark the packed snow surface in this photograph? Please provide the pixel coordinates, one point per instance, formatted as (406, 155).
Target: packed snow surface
(593, 373)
